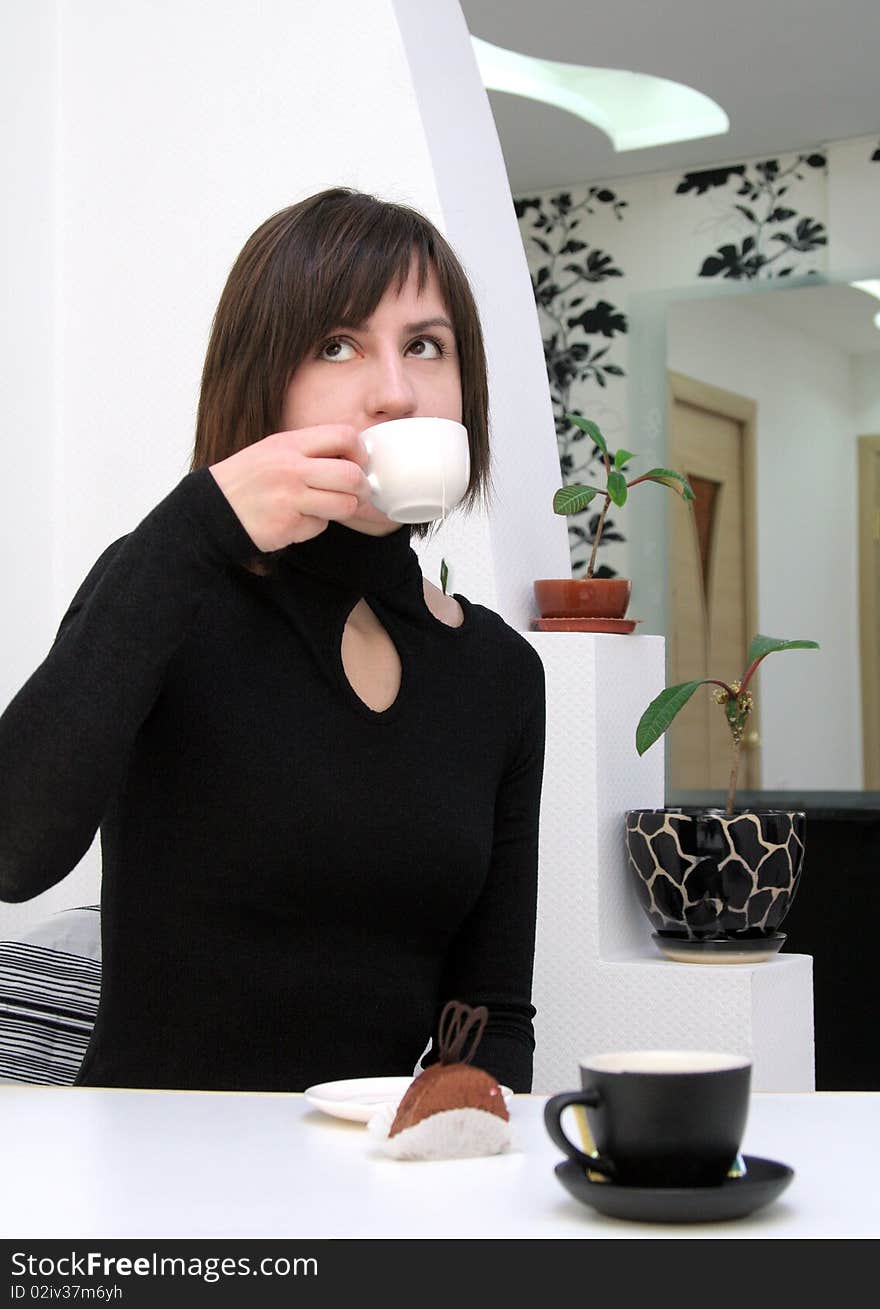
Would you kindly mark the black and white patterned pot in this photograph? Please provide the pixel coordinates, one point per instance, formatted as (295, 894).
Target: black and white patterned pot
(703, 876)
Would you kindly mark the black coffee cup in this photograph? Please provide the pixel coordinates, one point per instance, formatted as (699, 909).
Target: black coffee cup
(658, 1117)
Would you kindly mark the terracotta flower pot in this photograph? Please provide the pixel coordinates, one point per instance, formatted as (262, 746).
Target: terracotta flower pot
(716, 888)
(582, 597)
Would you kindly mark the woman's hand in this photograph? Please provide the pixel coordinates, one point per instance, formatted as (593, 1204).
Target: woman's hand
(287, 487)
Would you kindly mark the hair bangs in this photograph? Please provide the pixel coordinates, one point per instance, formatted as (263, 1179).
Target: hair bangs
(352, 277)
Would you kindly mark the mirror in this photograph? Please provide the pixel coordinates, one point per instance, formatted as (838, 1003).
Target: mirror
(776, 388)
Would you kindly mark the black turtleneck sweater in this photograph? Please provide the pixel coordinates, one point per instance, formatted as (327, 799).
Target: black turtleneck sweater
(293, 883)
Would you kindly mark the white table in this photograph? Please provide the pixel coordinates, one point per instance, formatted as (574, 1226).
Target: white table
(82, 1162)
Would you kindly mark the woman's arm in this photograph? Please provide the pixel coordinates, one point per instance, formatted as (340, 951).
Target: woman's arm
(492, 956)
(66, 735)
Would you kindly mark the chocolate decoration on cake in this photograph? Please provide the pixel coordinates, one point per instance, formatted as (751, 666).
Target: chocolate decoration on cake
(452, 1083)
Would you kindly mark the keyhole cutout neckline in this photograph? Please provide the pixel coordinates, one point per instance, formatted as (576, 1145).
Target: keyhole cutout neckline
(370, 659)
(382, 574)
(377, 691)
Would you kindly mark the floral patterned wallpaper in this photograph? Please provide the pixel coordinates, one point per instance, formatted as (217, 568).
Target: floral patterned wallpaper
(580, 327)
(590, 247)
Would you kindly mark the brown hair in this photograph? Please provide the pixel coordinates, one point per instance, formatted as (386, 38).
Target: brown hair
(327, 260)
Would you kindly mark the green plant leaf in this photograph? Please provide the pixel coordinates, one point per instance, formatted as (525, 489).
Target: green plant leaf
(623, 457)
(444, 575)
(764, 645)
(572, 499)
(591, 430)
(675, 481)
(617, 487)
(661, 711)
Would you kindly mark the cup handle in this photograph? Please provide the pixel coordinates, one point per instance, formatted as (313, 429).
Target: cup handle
(553, 1109)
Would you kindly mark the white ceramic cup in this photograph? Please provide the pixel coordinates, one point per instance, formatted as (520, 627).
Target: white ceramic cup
(418, 467)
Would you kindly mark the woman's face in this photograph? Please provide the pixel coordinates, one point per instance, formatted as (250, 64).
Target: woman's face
(402, 363)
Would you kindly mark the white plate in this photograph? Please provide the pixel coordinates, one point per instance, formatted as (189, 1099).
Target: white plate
(360, 1097)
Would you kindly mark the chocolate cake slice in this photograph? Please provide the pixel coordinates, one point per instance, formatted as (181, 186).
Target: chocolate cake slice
(453, 1083)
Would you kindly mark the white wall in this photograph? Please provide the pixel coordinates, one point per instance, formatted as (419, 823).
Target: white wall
(27, 108)
(806, 475)
(853, 186)
(145, 142)
(866, 392)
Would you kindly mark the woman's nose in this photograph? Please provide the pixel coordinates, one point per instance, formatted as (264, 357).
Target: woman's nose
(391, 392)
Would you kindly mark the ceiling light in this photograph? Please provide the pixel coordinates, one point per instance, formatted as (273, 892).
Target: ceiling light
(872, 287)
(634, 110)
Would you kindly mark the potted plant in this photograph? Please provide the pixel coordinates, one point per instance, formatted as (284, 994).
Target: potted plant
(589, 597)
(716, 885)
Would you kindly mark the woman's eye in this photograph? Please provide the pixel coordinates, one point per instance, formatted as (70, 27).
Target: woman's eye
(332, 350)
(423, 347)
(431, 348)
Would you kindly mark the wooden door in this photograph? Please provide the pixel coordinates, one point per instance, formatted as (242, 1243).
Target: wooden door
(712, 585)
(869, 604)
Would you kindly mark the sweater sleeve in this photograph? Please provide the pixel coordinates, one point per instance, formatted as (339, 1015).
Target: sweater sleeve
(492, 956)
(66, 736)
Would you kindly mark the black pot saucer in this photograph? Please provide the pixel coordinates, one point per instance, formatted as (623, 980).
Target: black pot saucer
(745, 950)
(765, 1179)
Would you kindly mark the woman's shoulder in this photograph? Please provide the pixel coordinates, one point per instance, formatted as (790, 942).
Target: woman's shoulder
(509, 645)
(99, 568)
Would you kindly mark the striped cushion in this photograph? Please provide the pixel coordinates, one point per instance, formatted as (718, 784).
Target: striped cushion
(49, 998)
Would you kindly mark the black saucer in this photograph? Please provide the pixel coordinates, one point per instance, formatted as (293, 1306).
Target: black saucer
(734, 1198)
(737, 950)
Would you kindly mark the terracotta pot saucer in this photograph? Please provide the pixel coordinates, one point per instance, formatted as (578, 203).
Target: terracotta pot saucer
(621, 625)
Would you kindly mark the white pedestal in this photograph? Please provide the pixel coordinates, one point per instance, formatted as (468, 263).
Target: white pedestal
(600, 983)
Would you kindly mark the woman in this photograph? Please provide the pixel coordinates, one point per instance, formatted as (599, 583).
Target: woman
(316, 777)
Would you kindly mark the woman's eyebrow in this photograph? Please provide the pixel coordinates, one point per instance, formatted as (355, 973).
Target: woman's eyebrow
(425, 323)
(421, 326)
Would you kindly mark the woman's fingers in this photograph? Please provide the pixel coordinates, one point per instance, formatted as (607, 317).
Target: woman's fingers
(337, 475)
(287, 486)
(317, 503)
(332, 440)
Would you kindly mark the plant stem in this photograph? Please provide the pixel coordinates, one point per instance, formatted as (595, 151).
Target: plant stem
(601, 524)
(749, 673)
(733, 772)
